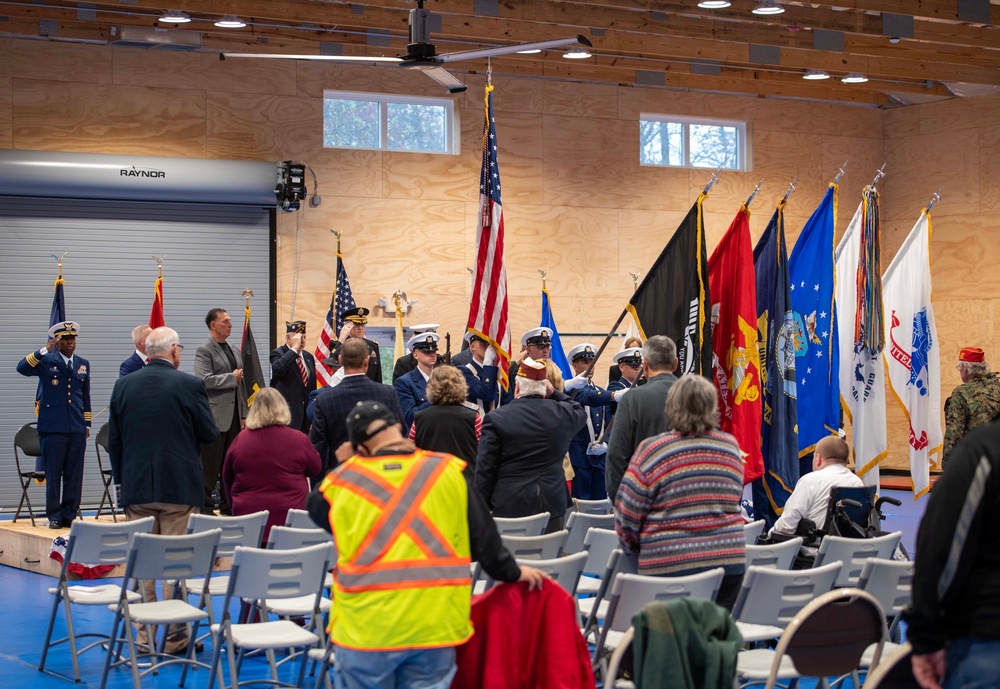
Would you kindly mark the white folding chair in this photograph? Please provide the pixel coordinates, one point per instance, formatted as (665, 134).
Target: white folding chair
(264, 577)
(752, 531)
(826, 638)
(287, 538)
(891, 583)
(594, 610)
(598, 543)
(579, 523)
(565, 571)
(630, 592)
(894, 671)
(93, 543)
(593, 506)
(522, 526)
(777, 555)
(535, 547)
(169, 559)
(854, 551)
(769, 598)
(300, 519)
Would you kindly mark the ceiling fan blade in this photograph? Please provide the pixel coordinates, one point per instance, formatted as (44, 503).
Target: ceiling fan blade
(516, 48)
(328, 58)
(445, 78)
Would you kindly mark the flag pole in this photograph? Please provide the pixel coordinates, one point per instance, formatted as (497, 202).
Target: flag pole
(59, 260)
(935, 197)
(247, 293)
(159, 265)
(879, 174)
(754, 193)
(333, 299)
(712, 182)
(840, 173)
(544, 274)
(791, 188)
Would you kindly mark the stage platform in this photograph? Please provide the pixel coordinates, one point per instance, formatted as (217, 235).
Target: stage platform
(27, 547)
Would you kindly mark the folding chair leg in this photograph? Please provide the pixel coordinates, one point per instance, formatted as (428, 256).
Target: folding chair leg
(71, 637)
(112, 642)
(48, 633)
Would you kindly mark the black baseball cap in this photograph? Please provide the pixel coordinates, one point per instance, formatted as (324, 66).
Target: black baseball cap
(362, 416)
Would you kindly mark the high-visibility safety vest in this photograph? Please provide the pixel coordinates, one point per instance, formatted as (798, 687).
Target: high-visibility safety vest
(401, 527)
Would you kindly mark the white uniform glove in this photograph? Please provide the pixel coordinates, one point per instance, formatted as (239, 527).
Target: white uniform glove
(576, 382)
(345, 332)
(618, 394)
(490, 357)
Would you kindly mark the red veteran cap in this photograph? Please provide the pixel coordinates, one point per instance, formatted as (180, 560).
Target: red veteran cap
(971, 354)
(531, 369)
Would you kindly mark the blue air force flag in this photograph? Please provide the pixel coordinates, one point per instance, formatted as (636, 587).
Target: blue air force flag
(913, 359)
(557, 354)
(817, 350)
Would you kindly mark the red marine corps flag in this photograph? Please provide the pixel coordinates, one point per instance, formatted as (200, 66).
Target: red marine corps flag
(488, 310)
(732, 285)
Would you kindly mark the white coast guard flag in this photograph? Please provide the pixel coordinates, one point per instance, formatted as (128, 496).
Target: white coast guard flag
(862, 379)
(912, 354)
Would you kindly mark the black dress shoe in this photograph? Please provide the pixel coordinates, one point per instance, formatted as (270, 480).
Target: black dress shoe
(67, 523)
(55, 524)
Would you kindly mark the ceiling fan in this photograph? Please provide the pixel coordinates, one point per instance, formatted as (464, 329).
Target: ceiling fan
(421, 55)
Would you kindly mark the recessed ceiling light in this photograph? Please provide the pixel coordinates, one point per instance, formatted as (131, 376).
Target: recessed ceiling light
(577, 53)
(175, 17)
(230, 21)
(815, 75)
(768, 7)
(714, 4)
(533, 51)
(855, 78)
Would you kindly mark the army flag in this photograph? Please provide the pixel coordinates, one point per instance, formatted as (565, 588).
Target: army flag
(817, 349)
(736, 359)
(673, 297)
(913, 357)
(859, 313)
(253, 377)
(558, 354)
(488, 309)
(778, 333)
(341, 301)
(156, 312)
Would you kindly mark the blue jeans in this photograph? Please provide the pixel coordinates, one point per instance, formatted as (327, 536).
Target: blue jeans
(972, 664)
(431, 668)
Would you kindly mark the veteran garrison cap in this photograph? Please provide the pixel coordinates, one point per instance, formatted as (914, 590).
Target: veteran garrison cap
(358, 315)
(585, 352)
(972, 355)
(531, 369)
(64, 329)
(295, 327)
(425, 342)
(538, 337)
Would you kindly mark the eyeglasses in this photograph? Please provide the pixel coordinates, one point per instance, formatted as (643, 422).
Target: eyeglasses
(541, 346)
(179, 346)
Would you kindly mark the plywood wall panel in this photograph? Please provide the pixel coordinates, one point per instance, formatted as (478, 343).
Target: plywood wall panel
(54, 61)
(346, 173)
(6, 112)
(948, 117)
(510, 95)
(920, 165)
(642, 235)
(580, 100)
(989, 167)
(202, 71)
(900, 123)
(246, 126)
(82, 117)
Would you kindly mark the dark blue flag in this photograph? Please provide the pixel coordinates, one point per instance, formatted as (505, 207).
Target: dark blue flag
(776, 326)
(558, 354)
(57, 314)
(810, 268)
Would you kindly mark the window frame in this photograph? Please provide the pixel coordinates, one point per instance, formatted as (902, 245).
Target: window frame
(452, 126)
(743, 148)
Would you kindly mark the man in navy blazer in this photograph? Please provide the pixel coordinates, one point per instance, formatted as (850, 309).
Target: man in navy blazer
(293, 373)
(411, 388)
(138, 359)
(63, 419)
(329, 429)
(159, 418)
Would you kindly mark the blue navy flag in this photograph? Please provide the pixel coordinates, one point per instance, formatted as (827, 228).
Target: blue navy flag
(57, 314)
(777, 338)
(341, 302)
(558, 354)
(811, 270)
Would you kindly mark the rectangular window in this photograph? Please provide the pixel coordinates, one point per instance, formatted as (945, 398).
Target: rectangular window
(692, 142)
(389, 123)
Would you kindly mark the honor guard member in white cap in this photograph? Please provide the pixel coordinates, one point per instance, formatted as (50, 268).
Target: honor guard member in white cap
(407, 363)
(535, 344)
(481, 373)
(355, 321)
(589, 447)
(630, 364)
(293, 373)
(411, 389)
(63, 419)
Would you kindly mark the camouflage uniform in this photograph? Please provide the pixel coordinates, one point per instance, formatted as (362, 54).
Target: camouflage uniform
(972, 404)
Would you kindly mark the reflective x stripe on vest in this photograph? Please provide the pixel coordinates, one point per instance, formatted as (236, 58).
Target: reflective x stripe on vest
(401, 513)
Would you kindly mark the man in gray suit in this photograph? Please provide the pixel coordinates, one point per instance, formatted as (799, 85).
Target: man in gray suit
(221, 368)
(640, 413)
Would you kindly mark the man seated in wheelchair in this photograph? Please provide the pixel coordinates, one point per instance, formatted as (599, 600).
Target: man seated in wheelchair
(809, 504)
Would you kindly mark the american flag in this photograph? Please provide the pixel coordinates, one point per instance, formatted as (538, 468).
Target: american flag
(488, 310)
(341, 301)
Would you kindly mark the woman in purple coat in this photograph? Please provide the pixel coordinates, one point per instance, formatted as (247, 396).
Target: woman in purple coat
(269, 464)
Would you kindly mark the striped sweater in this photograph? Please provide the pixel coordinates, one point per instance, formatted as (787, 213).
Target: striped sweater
(678, 506)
